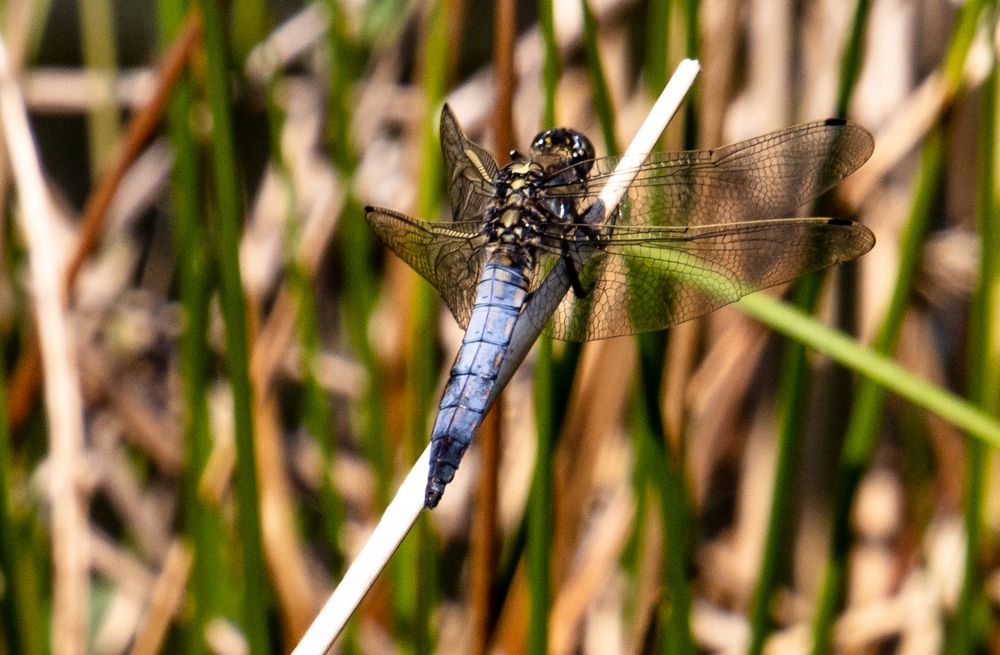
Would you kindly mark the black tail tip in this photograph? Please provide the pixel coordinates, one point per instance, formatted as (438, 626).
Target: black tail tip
(432, 496)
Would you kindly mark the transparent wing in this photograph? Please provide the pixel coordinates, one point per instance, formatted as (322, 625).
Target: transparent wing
(470, 170)
(649, 278)
(448, 255)
(768, 176)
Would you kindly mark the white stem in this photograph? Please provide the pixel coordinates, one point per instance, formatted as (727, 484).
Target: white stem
(396, 521)
(405, 507)
(650, 130)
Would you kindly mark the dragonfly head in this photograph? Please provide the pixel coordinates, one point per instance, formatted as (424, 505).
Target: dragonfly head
(562, 149)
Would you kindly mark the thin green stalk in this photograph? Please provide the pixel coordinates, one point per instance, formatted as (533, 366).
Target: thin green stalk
(598, 82)
(793, 390)
(314, 404)
(648, 474)
(880, 369)
(358, 249)
(540, 505)
(97, 32)
(969, 627)
(229, 217)
(657, 45)
(416, 568)
(551, 390)
(866, 415)
(865, 418)
(678, 510)
(550, 63)
(250, 22)
(692, 46)
(554, 374)
(670, 481)
(202, 524)
(20, 611)
(25, 565)
(11, 611)
(675, 502)
(793, 397)
(343, 75)
(852, 57)
(358, 253)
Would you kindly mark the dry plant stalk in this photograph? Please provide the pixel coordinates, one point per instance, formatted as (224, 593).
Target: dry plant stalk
(63, 402)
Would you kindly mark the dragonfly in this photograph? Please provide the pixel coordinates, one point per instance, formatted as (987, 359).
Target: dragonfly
(531, 247)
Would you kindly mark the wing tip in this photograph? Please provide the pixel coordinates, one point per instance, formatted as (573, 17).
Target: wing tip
(448, 123)
(866, 243)
(862, 135)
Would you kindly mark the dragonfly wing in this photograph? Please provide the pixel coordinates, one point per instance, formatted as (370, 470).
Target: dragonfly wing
(768, 176)
(470, 170)
(448, 255)
(649, 278)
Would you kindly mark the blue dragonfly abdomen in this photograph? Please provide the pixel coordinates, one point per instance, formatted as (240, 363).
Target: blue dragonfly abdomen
(476, 376)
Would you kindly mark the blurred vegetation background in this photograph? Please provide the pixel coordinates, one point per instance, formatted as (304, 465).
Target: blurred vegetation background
(214, 377)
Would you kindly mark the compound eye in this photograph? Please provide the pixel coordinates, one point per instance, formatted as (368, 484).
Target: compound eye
(543, 143)
(583, 152)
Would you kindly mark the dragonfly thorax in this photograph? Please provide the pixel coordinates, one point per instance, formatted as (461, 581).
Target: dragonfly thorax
(515, 217)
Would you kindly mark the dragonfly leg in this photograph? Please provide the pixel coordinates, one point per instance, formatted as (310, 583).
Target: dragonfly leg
(574, 277)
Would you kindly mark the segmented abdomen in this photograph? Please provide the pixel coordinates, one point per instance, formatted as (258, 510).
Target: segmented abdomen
(500, 295)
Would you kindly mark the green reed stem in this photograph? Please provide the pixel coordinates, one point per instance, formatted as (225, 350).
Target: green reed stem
(794, 387)
(317, 415)
(679, 514)
(657, 45)
(250, 19)
(692, 46)
(793, 397)
(598, 82)
(358, 252)
(97, 37)
(880, 369)
(202, 523)
(21, 613)
(675, 504)
(550, 62)
(852, 57)
(677, 510)
(969, 627)
(866, 415)
(553, 379)
(416, 561)
(11, 610)
(670, 480)
(228, 222)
